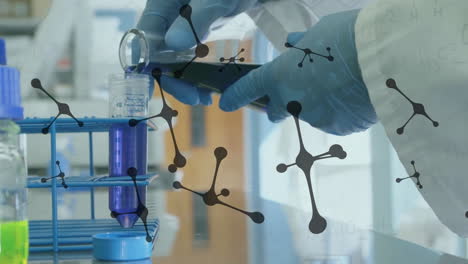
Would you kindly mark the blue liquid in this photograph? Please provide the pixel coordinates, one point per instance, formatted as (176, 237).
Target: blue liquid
(127, 148)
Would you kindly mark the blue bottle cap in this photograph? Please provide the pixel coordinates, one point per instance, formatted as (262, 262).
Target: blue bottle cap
(121, 246)
(10, 93)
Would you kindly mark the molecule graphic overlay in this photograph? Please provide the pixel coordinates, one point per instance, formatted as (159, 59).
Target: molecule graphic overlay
(232, 60)
(61, 175)
(167, 113)
(416, 175)
(304, 161)
(201, 49)
(142, 211)
(418, 109)
(308, 53)
(63, 108)
(210, 198)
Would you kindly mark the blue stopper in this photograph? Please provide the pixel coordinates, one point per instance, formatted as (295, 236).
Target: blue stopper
(10, 93)
(121, 246)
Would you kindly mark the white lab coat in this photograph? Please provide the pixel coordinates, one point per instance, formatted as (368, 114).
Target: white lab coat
(277, 18)
(423, 45)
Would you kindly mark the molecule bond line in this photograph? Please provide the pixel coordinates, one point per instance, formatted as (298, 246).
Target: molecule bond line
(201, 49)
(415, 175)
(61, 175)
(142, 210)
(232, 60)
(211, 198)
(167, 113)
(418, 109)
(63, 109)
(304, 161)
(308, 53)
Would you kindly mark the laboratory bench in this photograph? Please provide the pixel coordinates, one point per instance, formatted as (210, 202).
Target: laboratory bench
(190, 231)
(273, 241)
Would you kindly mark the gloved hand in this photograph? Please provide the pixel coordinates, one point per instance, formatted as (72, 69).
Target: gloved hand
(167, 30)
(331, 91)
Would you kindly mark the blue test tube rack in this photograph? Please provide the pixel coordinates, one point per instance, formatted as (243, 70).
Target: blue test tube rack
(76, 235)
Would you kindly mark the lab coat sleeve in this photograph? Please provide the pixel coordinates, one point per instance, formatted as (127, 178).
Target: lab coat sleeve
(423, 46)
(278, 18)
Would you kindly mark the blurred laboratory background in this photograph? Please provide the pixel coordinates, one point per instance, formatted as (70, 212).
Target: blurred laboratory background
(72, 47)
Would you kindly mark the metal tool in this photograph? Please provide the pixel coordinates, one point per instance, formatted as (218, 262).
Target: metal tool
(208, 76)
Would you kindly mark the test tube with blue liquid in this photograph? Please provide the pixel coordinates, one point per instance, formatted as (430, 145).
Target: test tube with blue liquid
(127, 145)
(129, 95)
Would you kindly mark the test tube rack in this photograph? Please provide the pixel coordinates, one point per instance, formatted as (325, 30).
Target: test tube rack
(76, 235)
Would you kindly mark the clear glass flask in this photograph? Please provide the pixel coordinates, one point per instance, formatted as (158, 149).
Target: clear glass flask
(137, 56)
(13, 196)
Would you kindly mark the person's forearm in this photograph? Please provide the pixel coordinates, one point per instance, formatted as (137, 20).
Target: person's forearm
(415, 65)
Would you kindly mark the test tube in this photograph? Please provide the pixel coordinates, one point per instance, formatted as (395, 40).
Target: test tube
(129, 94)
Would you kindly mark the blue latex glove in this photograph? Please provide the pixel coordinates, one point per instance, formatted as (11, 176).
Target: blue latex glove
(167, 30)
(331, 91)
